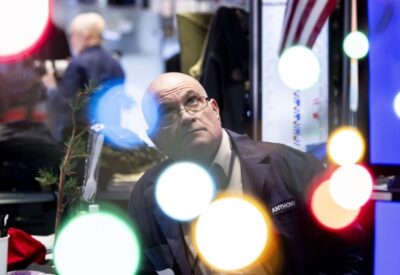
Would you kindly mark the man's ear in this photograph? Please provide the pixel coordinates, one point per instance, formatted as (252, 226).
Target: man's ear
(214, 106)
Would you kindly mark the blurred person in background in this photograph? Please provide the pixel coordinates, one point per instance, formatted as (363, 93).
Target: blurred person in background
(91, 65)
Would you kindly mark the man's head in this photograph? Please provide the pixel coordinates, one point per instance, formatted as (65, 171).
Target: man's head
(86, 30)
(187, 125)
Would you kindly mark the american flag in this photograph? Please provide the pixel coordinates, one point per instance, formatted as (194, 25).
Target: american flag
(303, 21)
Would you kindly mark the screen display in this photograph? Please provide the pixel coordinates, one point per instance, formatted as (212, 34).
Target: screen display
(384, 82)
(387, 238)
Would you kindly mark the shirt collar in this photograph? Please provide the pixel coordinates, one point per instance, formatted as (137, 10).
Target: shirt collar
(224, 153)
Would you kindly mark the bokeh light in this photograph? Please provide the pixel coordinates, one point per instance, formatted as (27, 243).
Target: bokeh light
(346, 146)
(151, 112)
(299, 68)
(96, 243)
(22, 27)
(396, 104)
(356, 45)
(184, 190)
(351, 186)
(106, 107)
(231, 234)
(327, 212)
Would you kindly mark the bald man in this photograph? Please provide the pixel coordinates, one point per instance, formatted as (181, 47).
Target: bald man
(90, 64)
(185, 124)
(184, 140)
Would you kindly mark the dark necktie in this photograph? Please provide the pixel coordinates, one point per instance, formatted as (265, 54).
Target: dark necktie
(220, 178)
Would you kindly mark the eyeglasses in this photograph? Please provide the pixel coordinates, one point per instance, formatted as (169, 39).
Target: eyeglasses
(193, 106)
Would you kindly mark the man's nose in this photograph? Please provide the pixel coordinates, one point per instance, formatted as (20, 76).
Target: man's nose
(186, 117)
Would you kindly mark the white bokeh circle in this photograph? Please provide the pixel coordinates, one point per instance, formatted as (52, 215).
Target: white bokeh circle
(184, 190)
(299, 68)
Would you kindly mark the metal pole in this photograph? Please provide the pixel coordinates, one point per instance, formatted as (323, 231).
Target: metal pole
(255, 60)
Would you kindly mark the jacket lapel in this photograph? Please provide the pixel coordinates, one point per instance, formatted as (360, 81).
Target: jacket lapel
(254, 162)
(173, 234)
(170, 228)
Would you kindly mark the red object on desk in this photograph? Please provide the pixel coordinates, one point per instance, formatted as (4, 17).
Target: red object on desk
(23, 250)
(20, 113)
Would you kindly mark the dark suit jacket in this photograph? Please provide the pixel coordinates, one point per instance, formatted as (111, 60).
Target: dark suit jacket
(277, 174)
(225, 67)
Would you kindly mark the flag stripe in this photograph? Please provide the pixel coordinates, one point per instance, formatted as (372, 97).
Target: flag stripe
(290, 8)
(321, 21)
(304, 20)
(311, 22)
(297, 13)
(306, 17)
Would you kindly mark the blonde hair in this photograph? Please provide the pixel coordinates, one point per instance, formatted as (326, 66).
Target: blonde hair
(91, 25)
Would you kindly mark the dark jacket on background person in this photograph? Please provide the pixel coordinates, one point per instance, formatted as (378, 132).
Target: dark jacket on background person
(225, 67)
(94, 66)
(276, 175)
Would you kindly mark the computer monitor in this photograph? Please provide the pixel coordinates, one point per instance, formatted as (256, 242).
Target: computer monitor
(387, 238)
(380, 84)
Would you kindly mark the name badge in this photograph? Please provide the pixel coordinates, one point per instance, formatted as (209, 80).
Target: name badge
(283, 207)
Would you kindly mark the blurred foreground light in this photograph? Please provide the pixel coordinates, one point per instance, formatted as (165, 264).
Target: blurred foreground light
(96, 243)
(346, 146)
(396, 104)
(184, 190)
(106, 107)
(22, 27)
(231, 234)
(351, 186)
(327, 212)
(299, 68)
(356, 45)
(151, 112)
